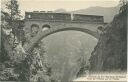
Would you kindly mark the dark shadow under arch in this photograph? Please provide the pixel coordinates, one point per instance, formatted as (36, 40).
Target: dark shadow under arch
(46, 25)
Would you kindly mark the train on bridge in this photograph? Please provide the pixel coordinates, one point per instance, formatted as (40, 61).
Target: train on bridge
(52, 16)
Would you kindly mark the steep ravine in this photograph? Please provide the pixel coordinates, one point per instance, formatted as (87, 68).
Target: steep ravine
(110, 53)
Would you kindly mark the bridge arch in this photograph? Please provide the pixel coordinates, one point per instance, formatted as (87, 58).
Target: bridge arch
(42, 34)
(34, 26)
(52, 31)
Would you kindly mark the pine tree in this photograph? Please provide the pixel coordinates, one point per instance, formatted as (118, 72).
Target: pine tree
(12, 7)
(13, 10)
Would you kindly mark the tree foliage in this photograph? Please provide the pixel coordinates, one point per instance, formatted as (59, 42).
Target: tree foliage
(14, 64)
(13, 9)
(123, 6)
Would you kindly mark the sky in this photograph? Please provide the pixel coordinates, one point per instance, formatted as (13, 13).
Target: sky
(69, 5)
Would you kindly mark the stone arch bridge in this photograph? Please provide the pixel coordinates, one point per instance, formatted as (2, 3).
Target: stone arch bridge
(60, 22)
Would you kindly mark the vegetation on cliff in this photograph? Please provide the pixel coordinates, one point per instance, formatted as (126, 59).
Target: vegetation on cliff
(15, 64)
(110, 54)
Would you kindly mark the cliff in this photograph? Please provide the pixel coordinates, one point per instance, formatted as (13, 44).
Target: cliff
(110, 53)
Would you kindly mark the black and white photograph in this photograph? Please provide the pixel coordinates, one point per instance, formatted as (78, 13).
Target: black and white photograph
(63, 40)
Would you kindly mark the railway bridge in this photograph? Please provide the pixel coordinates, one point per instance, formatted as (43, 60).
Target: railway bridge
(48, 23)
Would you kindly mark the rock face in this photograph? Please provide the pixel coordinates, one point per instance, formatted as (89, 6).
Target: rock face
(110, 54)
